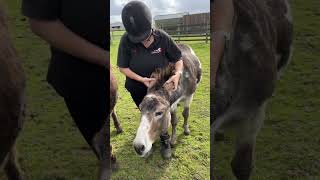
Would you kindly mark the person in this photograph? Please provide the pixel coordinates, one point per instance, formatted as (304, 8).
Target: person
(221, 25)
(77, 32)
(142, 50)
(222, 12)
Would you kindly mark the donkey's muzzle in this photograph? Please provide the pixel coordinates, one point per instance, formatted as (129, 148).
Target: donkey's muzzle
(139, 148)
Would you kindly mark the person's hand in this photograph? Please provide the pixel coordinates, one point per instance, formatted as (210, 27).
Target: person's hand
(175, 80)
(148, 81)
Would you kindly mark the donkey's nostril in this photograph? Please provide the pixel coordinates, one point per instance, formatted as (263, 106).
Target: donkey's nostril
(139, 148)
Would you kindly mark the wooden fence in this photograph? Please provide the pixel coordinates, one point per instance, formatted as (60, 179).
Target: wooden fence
(179, 33)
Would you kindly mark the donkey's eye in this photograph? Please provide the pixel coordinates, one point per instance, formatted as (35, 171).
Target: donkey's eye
(159, 113)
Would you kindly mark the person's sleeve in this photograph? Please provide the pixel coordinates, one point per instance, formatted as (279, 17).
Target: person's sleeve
(123, 53)
(41, 9)
(173, 52)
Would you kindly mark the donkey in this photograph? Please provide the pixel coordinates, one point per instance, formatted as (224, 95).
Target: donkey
(159, 106)
(113, 100)
(101, 140)
(258, 50)
(12, 101)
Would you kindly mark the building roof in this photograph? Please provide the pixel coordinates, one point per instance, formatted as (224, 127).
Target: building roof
(170, 16)
(116, 24)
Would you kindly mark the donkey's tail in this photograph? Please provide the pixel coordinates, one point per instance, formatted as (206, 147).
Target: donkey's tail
(285, 49)
(199, 75)
(284, 59)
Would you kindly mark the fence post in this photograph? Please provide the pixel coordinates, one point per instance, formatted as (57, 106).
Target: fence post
(179, 33)
(206, 37)
(111, 36)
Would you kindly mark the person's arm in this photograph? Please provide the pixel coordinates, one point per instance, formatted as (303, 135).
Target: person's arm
(218, 47)
(175, 56)
(59, 36)
(221, 24)
(132, 75)
(176, 77)
(179, 66)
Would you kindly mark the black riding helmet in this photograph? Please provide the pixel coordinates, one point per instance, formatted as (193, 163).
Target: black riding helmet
(137, 20)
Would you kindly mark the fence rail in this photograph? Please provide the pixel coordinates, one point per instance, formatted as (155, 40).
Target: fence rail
(179, 33)
(194, 37)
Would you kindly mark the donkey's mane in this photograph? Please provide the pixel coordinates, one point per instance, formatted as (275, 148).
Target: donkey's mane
(162, 75)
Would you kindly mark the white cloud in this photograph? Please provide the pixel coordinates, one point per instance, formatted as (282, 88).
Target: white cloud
(160, 7)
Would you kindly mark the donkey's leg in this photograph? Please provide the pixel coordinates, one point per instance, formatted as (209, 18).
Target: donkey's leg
(219, 136)
(237, 113)
(8, 136)
(212, 134)
(116, 122)
(185, 114)
(246, 132)
(242, 161)
(114, 164)
(12, 168)
(174, 122)
(102, 148)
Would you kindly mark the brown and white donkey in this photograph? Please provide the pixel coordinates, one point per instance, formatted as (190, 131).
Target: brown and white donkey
(158, 107)
(259, 49)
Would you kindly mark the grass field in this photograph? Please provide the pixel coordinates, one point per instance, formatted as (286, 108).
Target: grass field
(288, 145)
(51, 148)
(191, 154)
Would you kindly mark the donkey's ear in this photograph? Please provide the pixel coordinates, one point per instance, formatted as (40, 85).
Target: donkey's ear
(140, 106)
(169, 86)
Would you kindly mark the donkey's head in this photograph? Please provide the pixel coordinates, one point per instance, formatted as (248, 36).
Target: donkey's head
(155, 112)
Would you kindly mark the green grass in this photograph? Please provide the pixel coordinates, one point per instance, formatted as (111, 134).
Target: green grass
(191, 154)
(50, 146)
(288, 144)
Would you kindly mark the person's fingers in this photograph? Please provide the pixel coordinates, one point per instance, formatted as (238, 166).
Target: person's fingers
(175, 86)
(167, 82)
(170, 80)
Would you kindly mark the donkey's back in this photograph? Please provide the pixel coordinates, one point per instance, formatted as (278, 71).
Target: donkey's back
(191, 69)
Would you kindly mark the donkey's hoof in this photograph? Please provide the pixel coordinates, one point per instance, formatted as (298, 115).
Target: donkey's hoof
(166, 155)
(114, 164)
(165, 151)
(173, 142)
(119, 130)
(187, 132)
(219, 136)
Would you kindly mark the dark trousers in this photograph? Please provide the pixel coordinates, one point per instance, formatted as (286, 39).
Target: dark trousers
(138, 92)
(89, 114)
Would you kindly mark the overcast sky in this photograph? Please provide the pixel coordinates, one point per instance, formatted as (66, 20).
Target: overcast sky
(160, 7)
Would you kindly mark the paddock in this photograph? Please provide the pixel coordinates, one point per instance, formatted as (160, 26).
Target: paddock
(191, 154)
